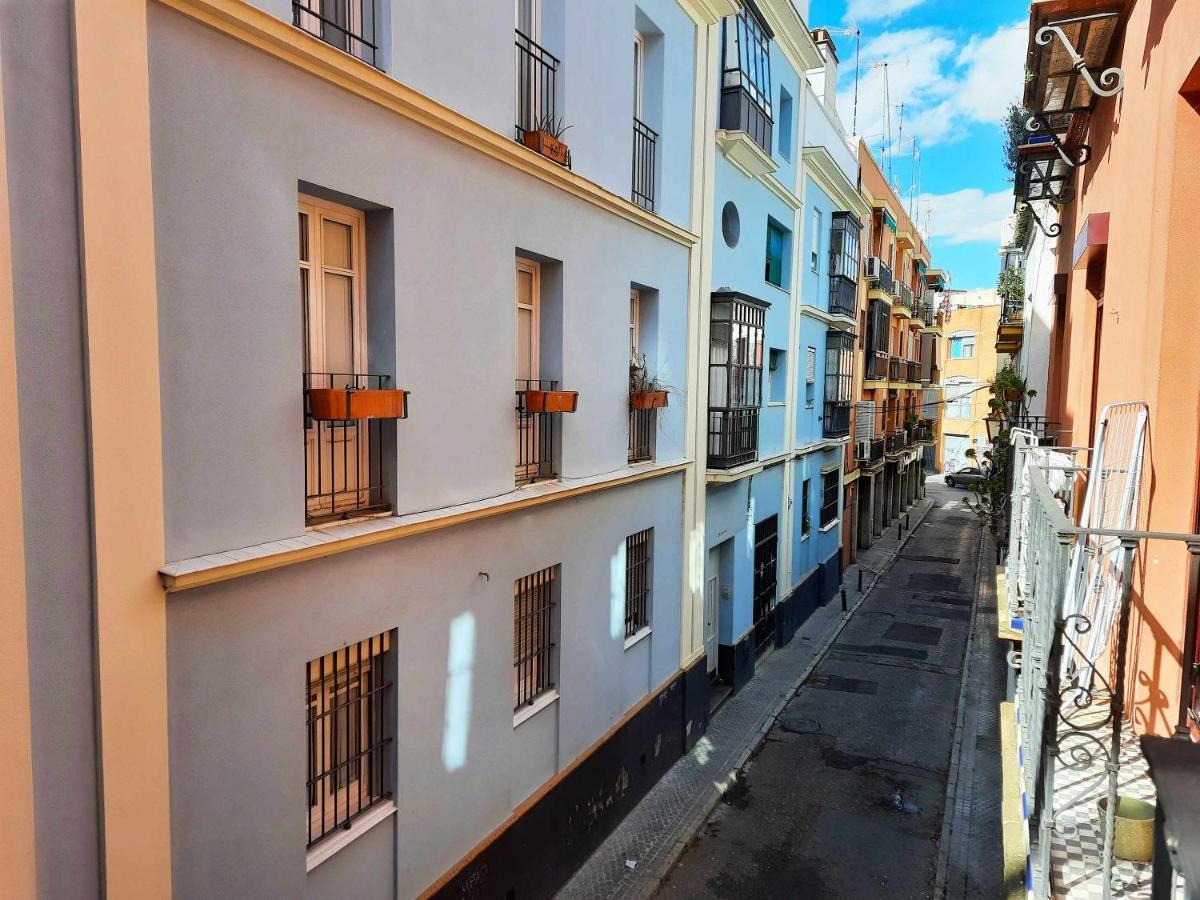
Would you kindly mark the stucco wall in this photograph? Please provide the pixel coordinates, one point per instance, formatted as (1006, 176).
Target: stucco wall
(228, 291)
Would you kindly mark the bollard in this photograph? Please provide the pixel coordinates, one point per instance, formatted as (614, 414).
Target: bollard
(898, 525)
(907, 526)
(860, 579)
(844, 606)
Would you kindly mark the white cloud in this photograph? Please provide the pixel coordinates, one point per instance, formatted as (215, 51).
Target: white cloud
(966, 216)
(945, 85)
(878, 10)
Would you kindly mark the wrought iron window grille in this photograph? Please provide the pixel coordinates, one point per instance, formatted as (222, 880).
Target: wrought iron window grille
(637, 581)
(535, 629)
(536, 446)
(645, 148)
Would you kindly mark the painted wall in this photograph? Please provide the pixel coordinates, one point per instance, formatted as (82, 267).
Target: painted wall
(459, 776)
(40, 131)
(969, 374)
(809, 424)
(228, 289)
(818, 545)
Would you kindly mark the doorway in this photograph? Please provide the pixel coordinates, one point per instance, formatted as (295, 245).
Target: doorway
(766, 558)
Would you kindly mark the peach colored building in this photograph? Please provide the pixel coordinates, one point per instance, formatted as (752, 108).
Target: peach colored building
(1126, 325)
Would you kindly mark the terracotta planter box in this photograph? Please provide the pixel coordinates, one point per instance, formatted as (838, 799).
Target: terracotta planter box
(338, 404)
(549, 147)
(551, 401)
(647, 399)
(1012, 395)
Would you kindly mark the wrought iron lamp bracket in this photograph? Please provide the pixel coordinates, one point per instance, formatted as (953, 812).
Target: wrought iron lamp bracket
(1112, 80)
(1053, 230)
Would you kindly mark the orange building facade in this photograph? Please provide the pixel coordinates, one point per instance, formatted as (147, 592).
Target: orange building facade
(897, 418)
(1126, 326)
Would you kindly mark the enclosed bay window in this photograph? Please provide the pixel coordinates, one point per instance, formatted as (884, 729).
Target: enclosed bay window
(746, 76)
(845, 255)
(839, 383)
(735, 370)
(351, 728)
(878, 321)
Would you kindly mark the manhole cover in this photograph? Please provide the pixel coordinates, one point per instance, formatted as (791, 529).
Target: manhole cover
(913, 634)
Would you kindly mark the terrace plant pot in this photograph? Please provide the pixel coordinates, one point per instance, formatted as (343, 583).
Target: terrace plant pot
(550, 147)
(647, 399)
(340, 404)
(551, 401)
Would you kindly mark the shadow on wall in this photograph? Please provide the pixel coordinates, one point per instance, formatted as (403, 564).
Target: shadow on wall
(1160, 11)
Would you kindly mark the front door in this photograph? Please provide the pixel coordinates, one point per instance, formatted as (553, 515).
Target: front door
(528, 297)
(712, 594)
(333, 307)
(766, 555)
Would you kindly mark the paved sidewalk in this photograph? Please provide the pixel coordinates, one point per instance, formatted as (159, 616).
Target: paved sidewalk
(642, 849)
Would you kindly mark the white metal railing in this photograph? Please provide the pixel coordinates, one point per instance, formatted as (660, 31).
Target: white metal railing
(1070, 692)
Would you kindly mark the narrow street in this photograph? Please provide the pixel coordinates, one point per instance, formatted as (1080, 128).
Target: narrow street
(846, 795)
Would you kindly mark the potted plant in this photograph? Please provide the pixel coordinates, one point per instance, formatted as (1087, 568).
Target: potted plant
(341, 404)
(539, 401)
(646, 390)
(1009, 385)
(545, 137)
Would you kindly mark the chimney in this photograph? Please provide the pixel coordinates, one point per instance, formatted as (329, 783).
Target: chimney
(825, 83)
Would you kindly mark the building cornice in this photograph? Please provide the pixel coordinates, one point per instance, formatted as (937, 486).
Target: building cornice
(821, 166)
(709, 12)
(275, 37)
(792, 35)
(780, 190)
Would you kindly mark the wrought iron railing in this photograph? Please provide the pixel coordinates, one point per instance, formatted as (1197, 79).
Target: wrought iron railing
(349, 25)
(537, 75)
(870, 451)
(643, 427)
(897, 441)
(894, 366)
(836, 421)
(904, 296)
(877, 366)
(1046, 430)
(883, 276)
(913, 372)
(732, 437)
(843, 296)
(1012, 312)
(1071, 689)
(923, 434)
(928, 314)
(645, 146)
(536, 457)
(343, 458)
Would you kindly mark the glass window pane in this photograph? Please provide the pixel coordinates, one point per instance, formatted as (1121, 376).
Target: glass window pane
(304, 237)
(339, 323)
(525, 368)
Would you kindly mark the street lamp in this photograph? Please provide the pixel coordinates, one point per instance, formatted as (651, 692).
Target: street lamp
(994, 424)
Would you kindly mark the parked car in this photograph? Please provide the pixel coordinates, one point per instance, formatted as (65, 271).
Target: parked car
(966, 476)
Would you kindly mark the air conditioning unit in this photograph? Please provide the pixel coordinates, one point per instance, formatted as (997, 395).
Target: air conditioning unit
(873, 268)
(862, 450)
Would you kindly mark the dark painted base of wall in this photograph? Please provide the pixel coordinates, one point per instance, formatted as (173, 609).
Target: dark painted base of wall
(536, 855)
(735, 664)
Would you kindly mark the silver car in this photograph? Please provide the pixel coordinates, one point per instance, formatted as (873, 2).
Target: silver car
(964, 477)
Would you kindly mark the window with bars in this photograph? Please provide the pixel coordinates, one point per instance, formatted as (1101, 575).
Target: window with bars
(349, 25)
(830, 482)
(350, 733)
(637, 581)
(535, 635)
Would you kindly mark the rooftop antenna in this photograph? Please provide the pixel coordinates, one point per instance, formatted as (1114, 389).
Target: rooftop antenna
(852, 30)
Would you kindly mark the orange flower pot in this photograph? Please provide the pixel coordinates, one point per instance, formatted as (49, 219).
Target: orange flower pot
(338, 404)
(549, 147)
(551, 401)
(647, 399)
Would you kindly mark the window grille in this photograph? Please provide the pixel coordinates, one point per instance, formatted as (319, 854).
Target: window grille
(735, 365)
(637, 581)
(766, 555)
(805, 520)
(350, 733)
(830, 482)
(349, 25)
(534, 627)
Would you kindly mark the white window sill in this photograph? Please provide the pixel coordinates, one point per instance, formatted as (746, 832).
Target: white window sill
(342, 838)
(776, 403)
(637, 637)
(532, 709)
(804, 537)
(832, 525)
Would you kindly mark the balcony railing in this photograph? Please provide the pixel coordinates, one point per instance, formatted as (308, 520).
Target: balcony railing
(904, 296)
(843, 296)
(897, 441)
(537, 75)
(536, 458)
(343, 458)
(645, 146)
(928, 314)
(935, 374)
(643, 427)
(882, 275)
(913, 371)
(1012, 312)
(895, 365)
(348, 25)
(923, 434)
(741, 112)
(1046, 430)
(870, 451)
(1070, 587)
(836, 421)
(877, 366)
(732, 437)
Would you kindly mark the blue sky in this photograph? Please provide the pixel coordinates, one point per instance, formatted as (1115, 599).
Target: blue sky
(955, 66)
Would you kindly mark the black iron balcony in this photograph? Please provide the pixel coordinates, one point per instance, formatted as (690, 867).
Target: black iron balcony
(927, 314)
(843, 296)
(904, 296)
(643, 427)
(897, 441)
(923, 434)
(836, 421)
(1012, 312)
(894, 367)
(537, 74)
(877, 366)
(536, 448)
(343, 457)
(913, 371)
(645, 147)
(349, 25)
(1047, 430)
(732, 437)
(880, 275)
(870, 451)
